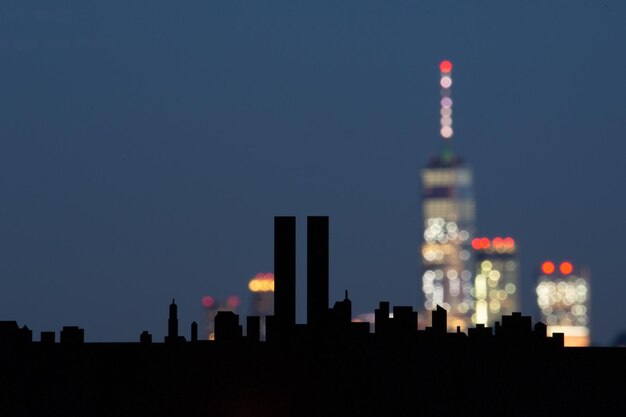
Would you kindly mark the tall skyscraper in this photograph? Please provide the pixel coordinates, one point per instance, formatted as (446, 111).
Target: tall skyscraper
(563, 298)
(448, 211)
(496, 286)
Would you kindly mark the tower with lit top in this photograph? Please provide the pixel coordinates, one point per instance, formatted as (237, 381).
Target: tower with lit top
(563, 298)
(448, 211)
(261, 287)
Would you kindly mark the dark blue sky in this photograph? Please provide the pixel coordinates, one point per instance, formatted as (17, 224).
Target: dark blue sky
(145, 147)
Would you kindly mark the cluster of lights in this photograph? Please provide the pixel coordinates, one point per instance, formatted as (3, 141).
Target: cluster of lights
(433, 285)
(445, 68)
(440, 231)
(262, 282)
(549, 268)
(563, 302)
(491, 293)
(443, 242)
(498, 244)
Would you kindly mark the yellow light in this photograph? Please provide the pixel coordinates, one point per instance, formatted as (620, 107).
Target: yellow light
(481, 312)
(261, 285)
(253, 285)
(481, 287)
(494, 306)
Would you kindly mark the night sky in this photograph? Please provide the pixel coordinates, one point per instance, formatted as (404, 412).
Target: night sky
(145, 147)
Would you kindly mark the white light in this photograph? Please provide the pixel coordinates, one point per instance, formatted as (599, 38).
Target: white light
(446, 132)
(446, 121)
(446, 81)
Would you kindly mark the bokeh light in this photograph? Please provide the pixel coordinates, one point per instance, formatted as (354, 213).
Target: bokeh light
(445, 66)
(547, 267)
(446, 132)
(233, 301)
(566, 268)
(207, 301)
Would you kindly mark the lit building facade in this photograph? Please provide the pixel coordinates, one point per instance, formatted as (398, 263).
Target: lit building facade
(448, 211)
(563, 298)
(496, 285)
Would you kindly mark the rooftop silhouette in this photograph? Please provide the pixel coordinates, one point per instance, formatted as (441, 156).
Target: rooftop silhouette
(329, 366)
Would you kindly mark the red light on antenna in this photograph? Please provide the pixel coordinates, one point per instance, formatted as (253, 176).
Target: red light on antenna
(566, 268)
(547, 267)
(445, 66)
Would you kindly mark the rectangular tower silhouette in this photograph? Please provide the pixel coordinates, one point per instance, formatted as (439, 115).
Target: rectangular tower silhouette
(285, 271)
(317, 269)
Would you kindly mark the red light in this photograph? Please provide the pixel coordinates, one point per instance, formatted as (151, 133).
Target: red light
(547, 267)
(207, 301)
(484, 243)
(509, 243)
(566, 268)
(445, 66)
(233, 301)
(498, 242)
(476, 244)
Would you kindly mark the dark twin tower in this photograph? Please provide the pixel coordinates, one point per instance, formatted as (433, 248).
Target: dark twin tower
(285, 272)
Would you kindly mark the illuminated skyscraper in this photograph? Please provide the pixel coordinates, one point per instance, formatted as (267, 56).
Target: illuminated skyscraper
(448, 211)
(563, 298)
(496, 287)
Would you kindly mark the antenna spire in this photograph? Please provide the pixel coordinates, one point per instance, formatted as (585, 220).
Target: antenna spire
(445, 67)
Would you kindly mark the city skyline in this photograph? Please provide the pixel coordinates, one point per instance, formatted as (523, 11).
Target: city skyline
(144, 150)
(330, 363)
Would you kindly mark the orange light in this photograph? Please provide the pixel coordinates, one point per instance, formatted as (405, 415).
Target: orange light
(484, 243)
(509, 243)
(566, 268)
(547, 267)
(445, 66)
(497, 242)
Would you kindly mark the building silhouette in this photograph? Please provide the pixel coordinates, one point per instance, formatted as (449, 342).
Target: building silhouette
(212, 306)
(330, 366)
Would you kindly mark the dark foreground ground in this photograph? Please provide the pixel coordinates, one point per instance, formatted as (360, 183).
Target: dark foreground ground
(373, 379)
